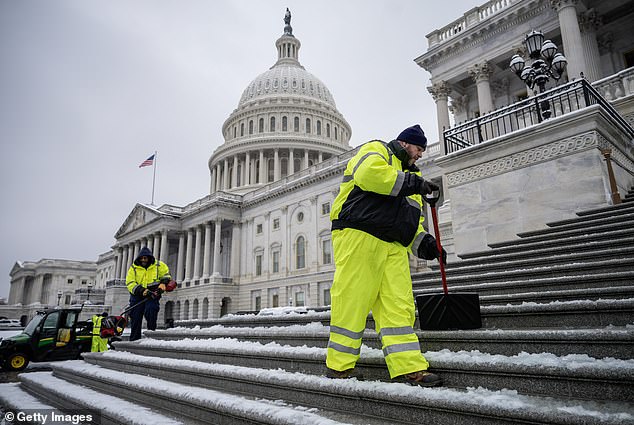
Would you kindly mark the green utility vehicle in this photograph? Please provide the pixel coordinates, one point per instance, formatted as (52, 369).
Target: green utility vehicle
(50, 335)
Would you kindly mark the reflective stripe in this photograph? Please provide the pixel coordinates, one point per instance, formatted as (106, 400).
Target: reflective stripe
(344, 349)
(417, 241)
(398, 184)
(412, 202)
(399, 348)
(134, 289)
(404, 330)
(346, 179)
(354, 170)
(346, 332)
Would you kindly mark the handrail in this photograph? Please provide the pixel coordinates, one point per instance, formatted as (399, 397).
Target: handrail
(558, 101)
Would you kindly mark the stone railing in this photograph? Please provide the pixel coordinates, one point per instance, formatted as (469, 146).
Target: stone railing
(470, 19)
(616, 86)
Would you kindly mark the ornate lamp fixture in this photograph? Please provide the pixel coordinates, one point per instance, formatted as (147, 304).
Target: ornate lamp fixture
(547, 63)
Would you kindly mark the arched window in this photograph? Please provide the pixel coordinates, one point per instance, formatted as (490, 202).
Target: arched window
(251, 127)
(296, 124)
(195, 309)
(205, 308)
(300, 257)
(272, 124)
(328, 130)
(308, 126)
(284, 124)
(261, 125)
(241, 129)
(336, 133)
(186, 310)
(318, 128)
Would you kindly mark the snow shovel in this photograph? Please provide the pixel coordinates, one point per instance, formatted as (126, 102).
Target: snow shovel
(447, 311)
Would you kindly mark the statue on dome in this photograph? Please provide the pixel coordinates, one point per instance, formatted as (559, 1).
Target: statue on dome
(288, 30)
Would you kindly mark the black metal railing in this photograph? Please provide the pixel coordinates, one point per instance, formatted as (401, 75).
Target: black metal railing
(555, 102)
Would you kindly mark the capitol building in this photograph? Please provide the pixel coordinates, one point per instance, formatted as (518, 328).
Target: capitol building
(261, 238)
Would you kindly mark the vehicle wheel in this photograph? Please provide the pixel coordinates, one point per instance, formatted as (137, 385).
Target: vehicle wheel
(17, 361)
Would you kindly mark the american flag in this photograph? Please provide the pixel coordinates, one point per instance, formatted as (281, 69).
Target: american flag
(147, 162)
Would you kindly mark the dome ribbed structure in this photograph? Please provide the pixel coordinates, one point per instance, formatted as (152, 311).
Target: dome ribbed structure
(286, 121)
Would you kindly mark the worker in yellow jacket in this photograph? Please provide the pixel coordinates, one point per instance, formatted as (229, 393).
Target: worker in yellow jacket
(99, 344)
(146, 279)
(376, 221)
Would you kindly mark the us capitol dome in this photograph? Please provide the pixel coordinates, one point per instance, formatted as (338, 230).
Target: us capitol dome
(285, 122)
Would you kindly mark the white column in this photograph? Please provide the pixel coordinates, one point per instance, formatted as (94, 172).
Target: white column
(137, 248)
(589, 23)
(480, 74)
(235, 250)
(305, 159)
(188, 254)
(180, 267)
(225, 184)
(276, 164)
(207, 250)
(247, 169)
(218, 178)
(117, 267)
(212, 183)
(197, 253)
(262, 169)
(164, 246)
(218, 225)
(234, 172)
(291, 162)
(571, 36)
(440, 92)
(320, 156)
(155, 246)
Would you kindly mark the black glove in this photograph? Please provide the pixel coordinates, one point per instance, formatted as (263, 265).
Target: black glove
(429, 250)
(138, 291)
(165, 279)
(426, 187)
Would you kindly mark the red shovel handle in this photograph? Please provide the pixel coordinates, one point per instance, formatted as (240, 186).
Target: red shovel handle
(432, 204)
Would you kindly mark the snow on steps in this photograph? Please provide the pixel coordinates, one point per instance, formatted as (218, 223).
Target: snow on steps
(391, 403)
(125, 399)
(575, 376)
(65, 395)
(616, 342)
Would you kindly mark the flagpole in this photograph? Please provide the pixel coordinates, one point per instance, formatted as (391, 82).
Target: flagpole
(154, 177)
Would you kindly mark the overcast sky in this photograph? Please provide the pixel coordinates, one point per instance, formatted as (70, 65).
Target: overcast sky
(89, 89)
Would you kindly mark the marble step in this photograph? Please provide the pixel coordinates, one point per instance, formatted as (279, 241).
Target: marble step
(592, 232)
(572, 313)
(546, 258)
(617, 210)
(387, 401)
(605, 209)
(615, 342)
(565, 244)
(589, 224)
(70, 397)
(189, 403)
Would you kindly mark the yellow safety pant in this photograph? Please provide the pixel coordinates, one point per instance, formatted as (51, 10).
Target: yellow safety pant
(371, 274)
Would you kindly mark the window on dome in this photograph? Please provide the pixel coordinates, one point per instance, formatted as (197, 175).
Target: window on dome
(272, 124)
(336, 133)
(235, 130)
(261, 125)
(308, 126)
(318, 128)
(251, 127)
(241, 129)
(284, 124)
(271, 167)
(296, 124)
(327, 129)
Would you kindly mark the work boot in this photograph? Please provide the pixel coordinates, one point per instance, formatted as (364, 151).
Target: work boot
(421, 378)
(344, 374)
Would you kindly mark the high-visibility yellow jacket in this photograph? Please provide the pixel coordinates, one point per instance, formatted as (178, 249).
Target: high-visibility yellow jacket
(378, 195)
(98, 344)
(140, 277)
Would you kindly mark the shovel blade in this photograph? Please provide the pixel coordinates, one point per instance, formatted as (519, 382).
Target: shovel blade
(442, 312)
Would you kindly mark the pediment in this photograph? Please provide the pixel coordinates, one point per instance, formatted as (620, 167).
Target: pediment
(138, 217)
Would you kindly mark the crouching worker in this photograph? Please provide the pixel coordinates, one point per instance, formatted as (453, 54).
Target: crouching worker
(146, 280)
(99, 344)
(376, 222)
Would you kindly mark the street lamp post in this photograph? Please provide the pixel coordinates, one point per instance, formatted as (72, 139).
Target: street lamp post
(59, 296)
(547, 64)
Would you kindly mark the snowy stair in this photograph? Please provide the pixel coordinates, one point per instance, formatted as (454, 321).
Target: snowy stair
(556, 348)
(372, 401)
